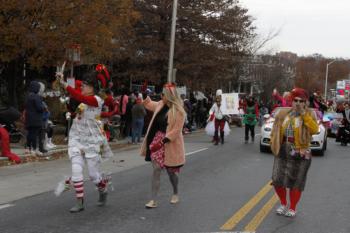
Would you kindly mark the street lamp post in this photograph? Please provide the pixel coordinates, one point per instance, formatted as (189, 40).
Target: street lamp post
(326, 82)
(172, 43)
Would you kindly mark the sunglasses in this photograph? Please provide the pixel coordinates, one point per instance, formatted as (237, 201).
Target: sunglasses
(298, 101)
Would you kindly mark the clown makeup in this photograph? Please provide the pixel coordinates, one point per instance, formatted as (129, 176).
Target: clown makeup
(87, 89)
(298, 104)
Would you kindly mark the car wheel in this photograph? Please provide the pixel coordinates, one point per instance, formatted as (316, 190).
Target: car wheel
(325, 145)
(318, 152)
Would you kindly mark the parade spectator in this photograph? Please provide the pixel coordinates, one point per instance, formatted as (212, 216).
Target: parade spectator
(128, 116)
(138, 116)
(342, 136)
(290, 143)
(34, 110)
(188, 109)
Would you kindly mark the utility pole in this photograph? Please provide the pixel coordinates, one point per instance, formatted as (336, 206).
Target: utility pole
(171, 77)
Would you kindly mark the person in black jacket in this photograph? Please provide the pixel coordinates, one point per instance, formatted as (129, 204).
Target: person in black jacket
(34, 110)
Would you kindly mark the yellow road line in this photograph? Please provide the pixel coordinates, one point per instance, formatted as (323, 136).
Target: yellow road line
(261, 215)
(240, 214)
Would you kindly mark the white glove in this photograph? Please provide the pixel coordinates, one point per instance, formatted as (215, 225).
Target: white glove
(68, 115)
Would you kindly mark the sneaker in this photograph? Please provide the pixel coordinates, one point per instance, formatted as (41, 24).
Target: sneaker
(151, 205)
(290, 213)
(52, 145)
(38, 153)
(49, 146)
(281, 210)
(174, 199)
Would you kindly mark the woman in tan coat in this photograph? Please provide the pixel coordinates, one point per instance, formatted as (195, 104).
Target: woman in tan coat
(164, 143)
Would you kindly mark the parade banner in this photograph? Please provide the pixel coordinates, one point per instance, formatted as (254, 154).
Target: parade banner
(181, 90)
(230, 104)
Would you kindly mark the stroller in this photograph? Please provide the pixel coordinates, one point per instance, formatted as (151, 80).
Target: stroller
(8, 117)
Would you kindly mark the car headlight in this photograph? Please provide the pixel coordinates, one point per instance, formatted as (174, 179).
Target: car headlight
(267, 129)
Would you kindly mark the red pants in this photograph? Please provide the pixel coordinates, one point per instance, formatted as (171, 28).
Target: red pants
(5, 146)
(219, 124)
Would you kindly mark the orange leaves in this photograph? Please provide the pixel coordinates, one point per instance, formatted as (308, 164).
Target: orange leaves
(41, 31)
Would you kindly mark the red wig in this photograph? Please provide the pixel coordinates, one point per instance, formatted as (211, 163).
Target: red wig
(300, 93)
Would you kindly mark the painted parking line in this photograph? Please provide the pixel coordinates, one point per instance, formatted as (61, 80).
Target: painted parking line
(261, 215)
(5, 206)
(197, 151)
(240, 214)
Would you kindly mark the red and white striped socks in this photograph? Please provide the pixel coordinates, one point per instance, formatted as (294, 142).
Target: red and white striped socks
(79, 189)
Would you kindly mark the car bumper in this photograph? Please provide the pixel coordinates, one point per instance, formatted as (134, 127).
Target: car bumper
(314, 145)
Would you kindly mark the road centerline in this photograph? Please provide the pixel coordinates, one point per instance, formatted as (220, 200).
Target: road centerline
(240, 214)
(261, 215)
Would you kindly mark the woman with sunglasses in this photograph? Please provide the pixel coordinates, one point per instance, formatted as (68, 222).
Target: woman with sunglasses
(164, 143)
(290, 139)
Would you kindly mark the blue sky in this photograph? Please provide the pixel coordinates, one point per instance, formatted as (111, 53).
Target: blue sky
(307, 26)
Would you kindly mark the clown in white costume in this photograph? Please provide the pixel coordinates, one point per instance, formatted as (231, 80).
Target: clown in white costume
(87, 141)
(217, 121)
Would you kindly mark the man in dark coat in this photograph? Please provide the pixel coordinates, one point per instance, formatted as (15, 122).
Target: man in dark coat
(34, 110)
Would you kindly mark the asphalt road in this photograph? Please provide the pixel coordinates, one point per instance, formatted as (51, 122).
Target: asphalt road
(222, 188)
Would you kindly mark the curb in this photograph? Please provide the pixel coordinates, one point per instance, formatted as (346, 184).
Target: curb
(50, 156)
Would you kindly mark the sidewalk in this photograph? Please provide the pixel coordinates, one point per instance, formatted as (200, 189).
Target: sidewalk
(59, 152)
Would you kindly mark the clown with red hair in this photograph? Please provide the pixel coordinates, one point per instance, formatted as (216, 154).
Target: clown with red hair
(290, 143)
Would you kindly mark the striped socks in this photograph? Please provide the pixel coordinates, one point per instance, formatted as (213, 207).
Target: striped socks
(79, 189)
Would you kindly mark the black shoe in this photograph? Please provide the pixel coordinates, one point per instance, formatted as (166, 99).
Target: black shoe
(43, 151)
(222, 135)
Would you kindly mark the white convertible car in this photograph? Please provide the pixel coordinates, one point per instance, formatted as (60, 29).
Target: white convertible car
(318, 143)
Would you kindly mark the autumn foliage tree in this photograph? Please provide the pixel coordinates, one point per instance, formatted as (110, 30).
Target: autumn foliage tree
(209, 35)
(311, 72)
(38, 33)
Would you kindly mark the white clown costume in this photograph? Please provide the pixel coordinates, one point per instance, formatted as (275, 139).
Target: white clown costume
(87, 143)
